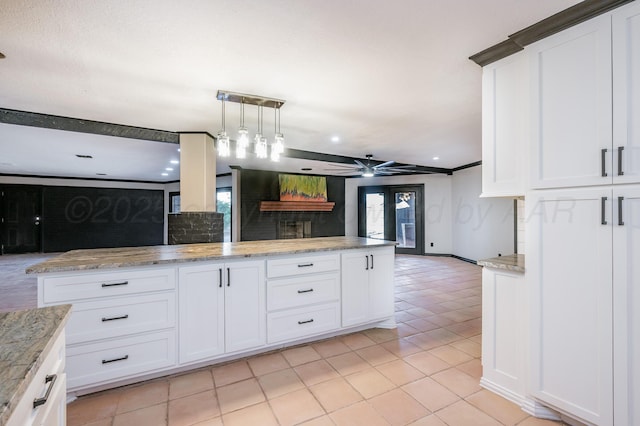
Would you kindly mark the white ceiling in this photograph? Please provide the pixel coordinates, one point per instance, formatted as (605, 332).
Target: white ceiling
(390, 78)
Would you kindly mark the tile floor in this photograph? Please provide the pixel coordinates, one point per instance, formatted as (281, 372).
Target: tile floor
(425, 372)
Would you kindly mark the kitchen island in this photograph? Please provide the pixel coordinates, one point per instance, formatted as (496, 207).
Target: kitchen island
(144, 312)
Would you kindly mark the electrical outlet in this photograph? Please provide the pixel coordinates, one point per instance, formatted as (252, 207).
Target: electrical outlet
(431, 244)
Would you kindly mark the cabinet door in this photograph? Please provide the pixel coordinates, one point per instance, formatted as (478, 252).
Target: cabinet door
(355, 287)
(626, 94)
(571, 106)
(505, 90)
(55, 409)
(626, 305)
(381, 283)
(201, 307)
(569, 250)
(245, 304)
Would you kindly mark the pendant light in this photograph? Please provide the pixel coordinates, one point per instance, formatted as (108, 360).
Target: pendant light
(224, 149)
(261, 141)
(243, 136)
(278, 141)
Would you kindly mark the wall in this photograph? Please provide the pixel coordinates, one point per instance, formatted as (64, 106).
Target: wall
(437, 211)
(263, 185)
(482, 227)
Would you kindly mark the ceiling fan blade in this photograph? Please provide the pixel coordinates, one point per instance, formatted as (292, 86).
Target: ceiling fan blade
(344, 166)
(360, 163)
(384, 172)
(388, 163)
(354, 170)
(397, 170)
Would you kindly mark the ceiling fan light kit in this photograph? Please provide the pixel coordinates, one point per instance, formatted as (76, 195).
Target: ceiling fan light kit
(261, 144)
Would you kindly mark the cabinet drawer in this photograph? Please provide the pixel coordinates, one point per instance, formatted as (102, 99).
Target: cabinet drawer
(302, 265)
(302, 322)
(301, 291)
(120, 316)
(105, 361)
(84, 286)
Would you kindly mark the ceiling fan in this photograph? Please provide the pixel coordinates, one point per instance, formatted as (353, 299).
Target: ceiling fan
(369, 170)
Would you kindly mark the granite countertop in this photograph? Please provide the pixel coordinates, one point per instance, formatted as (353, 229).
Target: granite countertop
(25, 336)
(512, 262)
(79, 260)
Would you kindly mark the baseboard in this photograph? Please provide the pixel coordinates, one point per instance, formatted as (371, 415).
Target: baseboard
(464, 259)
(475, 262)
(438, 254)
(528, 405)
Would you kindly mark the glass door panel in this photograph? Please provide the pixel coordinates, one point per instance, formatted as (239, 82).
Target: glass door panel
(405, 219)
(374, 204)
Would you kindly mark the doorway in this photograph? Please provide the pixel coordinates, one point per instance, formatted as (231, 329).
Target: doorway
(20, 212)
(393, 212)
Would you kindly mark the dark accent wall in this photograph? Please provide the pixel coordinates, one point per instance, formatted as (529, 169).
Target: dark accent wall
(79, 217)
(195, 227)
(259, 186)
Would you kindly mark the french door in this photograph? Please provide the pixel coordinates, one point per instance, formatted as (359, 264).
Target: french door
(393, 213)
(20, 216)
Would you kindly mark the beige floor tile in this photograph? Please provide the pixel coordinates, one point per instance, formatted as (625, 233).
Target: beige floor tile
(464, 414)
(431, 420)
(401, 347)
(92, 407)
(422, 324)
(426, 363)
(370, 383)
(348, 363)
(280, 382)
(430, 393)
(381, 335)
(301, 355)
(154, 415)
(450, 355)
(470, 347)
(316, 372)
(296, 407)
(240, 395)
(532, 421)
(145, 395)
(476, 338)
(405, 330)
(216, 421)
(335, 394)
(376, 355)
(398, 408)
(265, 364)
(331, 347)
(360, 414)
(458, 382)
(231, 373)
(319, 421)
(357, 341)
(259, 414)
(399, 372)
(193, 409)
(506, 412)
(190, 383)
(472, 368)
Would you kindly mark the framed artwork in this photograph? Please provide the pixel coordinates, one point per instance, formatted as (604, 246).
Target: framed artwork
(303, 188)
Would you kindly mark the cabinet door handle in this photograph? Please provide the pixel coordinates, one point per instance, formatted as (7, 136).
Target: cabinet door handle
(603, 206)
(107, 361)
(367, 257)
(620, 220)
(305, 322)
(228, 277)
(114, 284)
(115, 318)
(371, 261)
(603, 157)
(620, 149)
(305, 291)
(305, 265)
(220, 277)
(41, 401)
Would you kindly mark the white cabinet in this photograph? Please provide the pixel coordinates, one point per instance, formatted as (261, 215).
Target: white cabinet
(571, 106)
(569, 239)
(367, 285)
(222, 309)
(626, 94)
(505, 113)
(503, 333)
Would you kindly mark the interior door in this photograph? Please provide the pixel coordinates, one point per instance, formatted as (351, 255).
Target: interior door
(20, 218)
(393, 213)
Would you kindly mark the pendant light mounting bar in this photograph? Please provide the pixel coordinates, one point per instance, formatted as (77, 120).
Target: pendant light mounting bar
(243, 98)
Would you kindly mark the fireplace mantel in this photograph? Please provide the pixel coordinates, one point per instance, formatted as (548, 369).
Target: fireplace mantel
(296, 206)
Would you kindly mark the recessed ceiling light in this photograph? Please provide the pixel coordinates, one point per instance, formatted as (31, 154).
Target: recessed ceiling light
(169, 169)
(174, 162)
(165, 174)
(306, 169)
(436, 158)
(83, 156)
(101, 174)
(335, 139)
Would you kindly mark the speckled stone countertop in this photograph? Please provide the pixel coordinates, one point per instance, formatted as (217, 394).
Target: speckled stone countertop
(512, 262)
(25, 336)
(79, 260)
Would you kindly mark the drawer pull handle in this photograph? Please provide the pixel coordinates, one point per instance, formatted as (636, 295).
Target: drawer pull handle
(41, 401)
(620, 149)
(305, 291)
(371, 261)
(305, 265)
(603, 158)
(620, 220)
(603, 210)
(115, 284)
(107, 361)
(220, 278)
(305, 322)
(115, 318)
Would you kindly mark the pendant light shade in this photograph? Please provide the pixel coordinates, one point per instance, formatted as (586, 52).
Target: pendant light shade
(224, 148)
